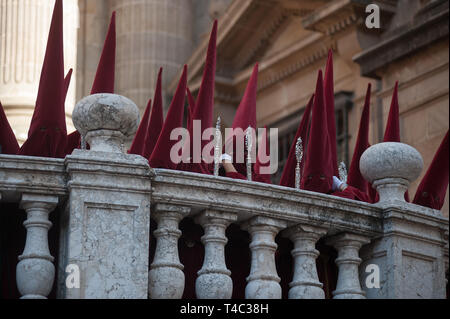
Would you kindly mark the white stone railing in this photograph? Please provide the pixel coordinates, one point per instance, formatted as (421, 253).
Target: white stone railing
(106, 198)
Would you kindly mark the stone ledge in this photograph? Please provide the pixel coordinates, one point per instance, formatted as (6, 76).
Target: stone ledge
(421, 33)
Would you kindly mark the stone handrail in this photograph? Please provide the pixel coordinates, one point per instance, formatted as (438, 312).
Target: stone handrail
(106, 199)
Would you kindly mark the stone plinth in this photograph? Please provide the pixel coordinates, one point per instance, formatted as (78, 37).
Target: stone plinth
(409, 256)
(105, 227)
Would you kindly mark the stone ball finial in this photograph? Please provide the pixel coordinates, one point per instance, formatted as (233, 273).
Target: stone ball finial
(390, 167)
(106, 121)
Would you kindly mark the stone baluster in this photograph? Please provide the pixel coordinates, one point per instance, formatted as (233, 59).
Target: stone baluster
(305, 283)
(35, 271)
(166, 277)
(348, 246)
(263, 281)
(214, 281)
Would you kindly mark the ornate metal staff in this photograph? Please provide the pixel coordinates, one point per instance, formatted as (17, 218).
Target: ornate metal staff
(217, 148)
(248, 145)
(342, 172)
(299, 156)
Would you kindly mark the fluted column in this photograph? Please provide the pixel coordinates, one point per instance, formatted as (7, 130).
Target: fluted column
(348, 261)
(150, 35)
(305, 283)
(263, 281)
(214, 281)
(35, 271)
(166, 277)
(24, 26)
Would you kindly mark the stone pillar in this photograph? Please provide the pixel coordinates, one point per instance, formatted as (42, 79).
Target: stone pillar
(35, 271)
(24, 26)
(408, 259)
(105, 227)
(305, 283)
(150, 34)
(214, 281)
(166, 277)
(263, 281)
(348, 285)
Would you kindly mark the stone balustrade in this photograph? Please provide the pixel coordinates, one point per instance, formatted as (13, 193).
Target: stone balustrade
(105, 200)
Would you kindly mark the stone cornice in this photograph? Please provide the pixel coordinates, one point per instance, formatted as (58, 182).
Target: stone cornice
(332, 18)
(423, 31)
(310, 50)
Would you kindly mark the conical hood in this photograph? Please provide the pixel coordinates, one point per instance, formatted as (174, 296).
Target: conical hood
(104, 78)
(156, 119)
(160, 157)
(137, 146)
(392, 132)
(246, 112)
(73, 139)
(191, 107)
(205, 100)
(329, 102)
(432, 188)
(8, 142)
(288, 175)
(204, 107)
(67, 83)
(47, 134)
(355, 178)
(245, 116)
(318, 171)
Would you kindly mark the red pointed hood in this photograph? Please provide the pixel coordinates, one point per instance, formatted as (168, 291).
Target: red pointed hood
(329, 102)
(392, 132)
(137, 146)
(191, 106)
(245, 116)
(8, 142)
(47, 134)
(355, 178)
(160, 157)
(104, 78)
(73, 139)
(205, 100)
(288, 175)
(432, 188)
(204, 106)
(259, 176)
(246, 112)
(156, 119)
(67, 83)
(318, 170)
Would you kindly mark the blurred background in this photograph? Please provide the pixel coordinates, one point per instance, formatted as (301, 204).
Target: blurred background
(289, 38)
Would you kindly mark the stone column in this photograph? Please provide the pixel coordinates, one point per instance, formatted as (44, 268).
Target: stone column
(408, 259)
(35, 271)
(150, 34)
(305, 283)
(348, 245)
(105, 227)
(166, 277)
(263, 281)
(214, 281)
(24, 26)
